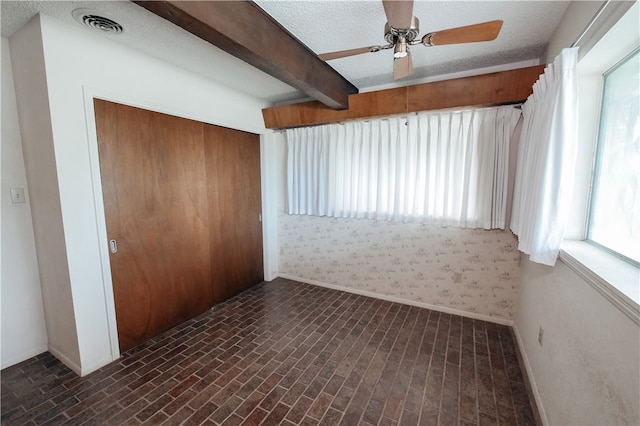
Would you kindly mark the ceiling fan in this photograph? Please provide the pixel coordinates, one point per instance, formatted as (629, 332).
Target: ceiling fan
(402, 29)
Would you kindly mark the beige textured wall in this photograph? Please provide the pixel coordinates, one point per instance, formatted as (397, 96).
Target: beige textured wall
(406, 260)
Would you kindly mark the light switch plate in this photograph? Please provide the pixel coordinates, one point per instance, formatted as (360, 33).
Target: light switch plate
(17, 195)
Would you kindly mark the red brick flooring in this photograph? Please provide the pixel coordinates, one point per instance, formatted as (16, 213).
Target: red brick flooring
(291, 354)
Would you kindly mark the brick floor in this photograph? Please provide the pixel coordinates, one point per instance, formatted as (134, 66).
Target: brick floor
(291, 354)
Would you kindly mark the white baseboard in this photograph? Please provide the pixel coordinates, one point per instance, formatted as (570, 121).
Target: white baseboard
(65, 360)
(532, 379)
(96, 366)
(388, 298)
(58, 354)
(23, 356)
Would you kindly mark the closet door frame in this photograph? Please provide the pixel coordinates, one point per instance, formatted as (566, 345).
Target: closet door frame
(268, 166)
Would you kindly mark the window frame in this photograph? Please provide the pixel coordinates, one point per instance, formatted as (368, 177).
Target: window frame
(608, 41)
(595, 170)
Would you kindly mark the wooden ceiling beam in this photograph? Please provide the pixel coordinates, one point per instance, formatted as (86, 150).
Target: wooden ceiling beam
(244, 30)
(499, 88)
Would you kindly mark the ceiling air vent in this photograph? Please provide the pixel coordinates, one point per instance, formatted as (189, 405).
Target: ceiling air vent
(97, 21)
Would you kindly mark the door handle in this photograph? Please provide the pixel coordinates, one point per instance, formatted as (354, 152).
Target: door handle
(113, 246)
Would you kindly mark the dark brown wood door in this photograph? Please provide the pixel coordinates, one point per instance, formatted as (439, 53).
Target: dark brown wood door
(154, 182)
(233, 175)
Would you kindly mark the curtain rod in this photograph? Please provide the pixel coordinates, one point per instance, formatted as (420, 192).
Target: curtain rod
(405, 115)
(453, 109)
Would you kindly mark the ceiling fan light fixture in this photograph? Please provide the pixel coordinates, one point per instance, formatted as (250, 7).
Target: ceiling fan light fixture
(400, 33)
(401, 49)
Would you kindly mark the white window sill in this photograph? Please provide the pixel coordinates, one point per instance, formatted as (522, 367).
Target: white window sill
(615, 279)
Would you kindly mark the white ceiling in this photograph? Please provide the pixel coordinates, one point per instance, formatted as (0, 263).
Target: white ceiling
(325, 26)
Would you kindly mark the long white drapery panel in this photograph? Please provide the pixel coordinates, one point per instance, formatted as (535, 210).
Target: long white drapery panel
(448, 168)
(546, 160)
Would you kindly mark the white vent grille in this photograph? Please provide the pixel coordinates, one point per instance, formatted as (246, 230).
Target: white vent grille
(97, 21)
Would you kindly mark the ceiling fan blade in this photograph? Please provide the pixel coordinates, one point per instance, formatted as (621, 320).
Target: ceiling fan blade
(348, 52)
(486, 31)
(402, 67)
(399, 13)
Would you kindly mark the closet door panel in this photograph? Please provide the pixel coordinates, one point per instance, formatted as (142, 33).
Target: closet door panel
(154, 183)
(233, 180)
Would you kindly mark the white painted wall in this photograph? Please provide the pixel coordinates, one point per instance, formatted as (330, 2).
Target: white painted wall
(596, 15)
(80, 65)
(273, 186)
(23, 327)
(587, 371)
(574, 20)
(28, 66)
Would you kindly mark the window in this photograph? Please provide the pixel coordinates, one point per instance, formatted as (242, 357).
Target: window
(613, 276)
(614, 214)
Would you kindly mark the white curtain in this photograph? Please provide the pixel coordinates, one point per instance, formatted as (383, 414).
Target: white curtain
(447, 168)
(546, 160)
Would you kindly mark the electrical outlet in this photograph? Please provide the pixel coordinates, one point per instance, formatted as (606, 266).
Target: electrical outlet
(17, 195)
(457, 277)
(540, 335)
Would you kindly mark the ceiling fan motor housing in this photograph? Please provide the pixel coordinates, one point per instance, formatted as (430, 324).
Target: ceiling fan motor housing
(391, 34)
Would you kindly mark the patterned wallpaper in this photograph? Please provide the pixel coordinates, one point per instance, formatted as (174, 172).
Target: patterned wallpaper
(406, 260)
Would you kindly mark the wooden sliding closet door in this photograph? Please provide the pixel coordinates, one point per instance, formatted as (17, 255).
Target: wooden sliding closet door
(154, 182)
(233, 176)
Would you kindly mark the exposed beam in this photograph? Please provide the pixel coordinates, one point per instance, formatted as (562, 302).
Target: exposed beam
(244, 30)
(499, 88)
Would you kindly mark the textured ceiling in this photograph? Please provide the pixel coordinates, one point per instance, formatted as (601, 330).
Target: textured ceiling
(324, 26)
(156, 37)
